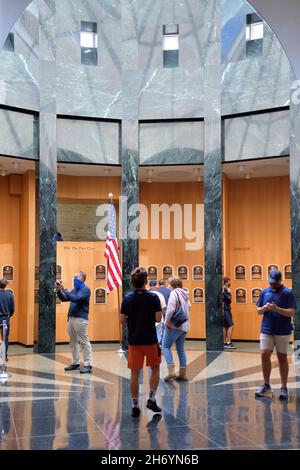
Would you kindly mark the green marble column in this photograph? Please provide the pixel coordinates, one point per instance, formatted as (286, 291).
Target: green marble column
(46, 182)
(129, 142)
(213, 177)
(295, 207)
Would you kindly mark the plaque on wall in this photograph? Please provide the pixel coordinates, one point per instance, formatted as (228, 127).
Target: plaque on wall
(256, 272)
(182, 272)
(36, 296)
(58, 272)
(100, 272)
(271, 267)
(255, 294)
(152, 273)
(240, 272)
(8, 272)
(198, 273)
(240, 296)
(36, 273)
(100, 296)
(198, 296)
(288, 271)
(167, 272)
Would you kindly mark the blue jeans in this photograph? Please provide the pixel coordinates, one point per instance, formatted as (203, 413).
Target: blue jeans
(7, 333)
(178, 337)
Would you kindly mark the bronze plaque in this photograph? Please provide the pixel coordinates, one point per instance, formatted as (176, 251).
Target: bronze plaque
(198, 296)
(100, 272)
(36, 273)
(167, 272)
(271, 267)
(100, 296)
(36, 296)
(58, 273)
(240, 296)
(198, 273)
(8, 272)
(182, 272)
(152, 273)
(288, 271)
(255, 295)
(240, 272)
(256, 272)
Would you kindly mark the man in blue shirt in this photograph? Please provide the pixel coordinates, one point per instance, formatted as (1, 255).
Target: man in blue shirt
(277, 304)
(7, 308)
(164, 290)
(78, 315)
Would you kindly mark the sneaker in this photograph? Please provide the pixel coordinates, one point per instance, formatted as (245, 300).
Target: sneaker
(284, 394)
(264, 391)
(229, 346)
(72, 367)
(86, 370)
(135, 412)
(152, 405)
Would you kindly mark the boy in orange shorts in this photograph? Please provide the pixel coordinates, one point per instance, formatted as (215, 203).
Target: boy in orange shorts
(140, 310)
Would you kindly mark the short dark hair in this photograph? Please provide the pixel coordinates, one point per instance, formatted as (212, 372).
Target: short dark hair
(82, 274)
(139, 277)
(225, 280)
(3, 283)
(162, 282)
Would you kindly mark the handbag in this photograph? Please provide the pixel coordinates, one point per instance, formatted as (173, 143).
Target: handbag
(179, 316)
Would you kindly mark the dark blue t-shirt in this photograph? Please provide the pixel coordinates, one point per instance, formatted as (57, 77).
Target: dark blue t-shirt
(226, 299)
(273, 323)
(139, 307)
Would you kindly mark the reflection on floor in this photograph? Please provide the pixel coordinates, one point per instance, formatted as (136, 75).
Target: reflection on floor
(42, 407)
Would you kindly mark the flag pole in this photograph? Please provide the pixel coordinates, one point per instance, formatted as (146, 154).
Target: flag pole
(120, 351)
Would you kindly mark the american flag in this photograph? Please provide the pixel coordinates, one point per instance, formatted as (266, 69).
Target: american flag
(114, 271)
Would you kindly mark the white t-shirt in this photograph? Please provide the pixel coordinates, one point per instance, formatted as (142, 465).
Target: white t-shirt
(161, 298)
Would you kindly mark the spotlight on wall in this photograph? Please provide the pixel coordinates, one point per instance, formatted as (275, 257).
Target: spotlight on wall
(3, 172)
(197, 173)
(149, 173)
(248, 176)
(107, 171)
(16, 165)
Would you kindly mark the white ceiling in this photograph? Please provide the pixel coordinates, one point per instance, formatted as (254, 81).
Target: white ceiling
(184, 173)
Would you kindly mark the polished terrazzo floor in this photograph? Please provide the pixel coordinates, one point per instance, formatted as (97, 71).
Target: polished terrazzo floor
(42, 407)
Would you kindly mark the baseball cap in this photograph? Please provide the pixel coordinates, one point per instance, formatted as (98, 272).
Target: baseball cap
(274, 276)
(152, 283)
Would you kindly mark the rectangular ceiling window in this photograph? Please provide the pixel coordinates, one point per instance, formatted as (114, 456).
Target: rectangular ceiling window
(89, 43)
(9, 44)
(254, 35)
(171, 46)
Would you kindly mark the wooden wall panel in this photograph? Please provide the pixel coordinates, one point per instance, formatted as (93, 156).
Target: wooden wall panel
(173, 252)
(258, 233)
(9, 243)
(104, 319)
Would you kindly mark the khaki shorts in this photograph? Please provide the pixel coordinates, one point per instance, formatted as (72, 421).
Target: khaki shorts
(267, 343)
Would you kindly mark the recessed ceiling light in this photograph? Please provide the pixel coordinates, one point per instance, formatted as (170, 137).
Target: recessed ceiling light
(248, 176)
(3, 173)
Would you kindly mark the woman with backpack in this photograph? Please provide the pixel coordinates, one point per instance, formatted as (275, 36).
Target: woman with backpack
(176, 327)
